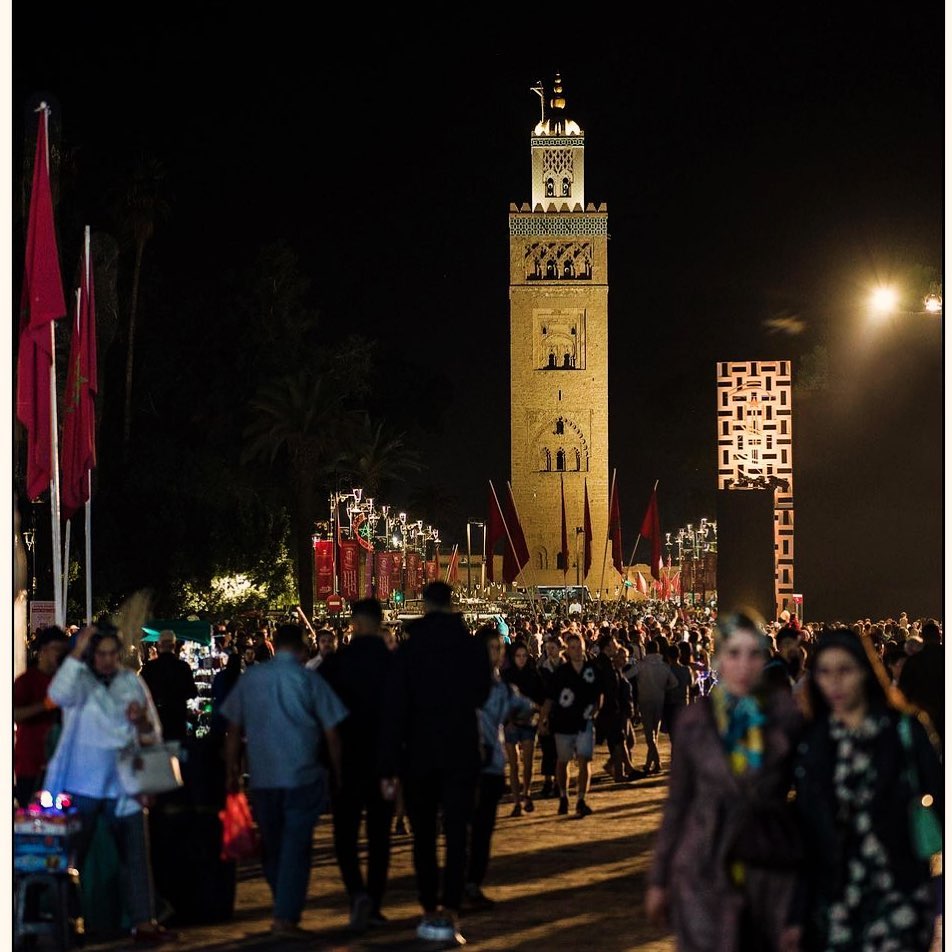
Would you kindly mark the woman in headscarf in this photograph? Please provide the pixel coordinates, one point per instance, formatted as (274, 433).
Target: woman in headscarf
(723, 870)
(863, 885)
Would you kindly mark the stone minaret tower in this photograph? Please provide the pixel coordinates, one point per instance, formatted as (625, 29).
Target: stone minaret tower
(558, 300)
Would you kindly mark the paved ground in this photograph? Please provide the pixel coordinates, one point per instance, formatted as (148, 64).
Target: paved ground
(559, 882)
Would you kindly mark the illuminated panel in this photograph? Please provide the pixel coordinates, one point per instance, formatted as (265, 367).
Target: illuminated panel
(755, 447)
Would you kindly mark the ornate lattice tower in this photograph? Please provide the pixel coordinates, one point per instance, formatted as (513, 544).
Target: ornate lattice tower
(558, 300)
(755, 448)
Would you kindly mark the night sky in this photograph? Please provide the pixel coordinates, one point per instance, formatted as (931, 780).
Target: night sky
(760, 176)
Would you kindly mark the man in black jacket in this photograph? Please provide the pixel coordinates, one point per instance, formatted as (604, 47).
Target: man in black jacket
(431, 739)
(358, 673)
(171, 685)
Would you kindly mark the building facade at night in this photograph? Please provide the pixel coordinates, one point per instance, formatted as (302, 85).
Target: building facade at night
(558, 299)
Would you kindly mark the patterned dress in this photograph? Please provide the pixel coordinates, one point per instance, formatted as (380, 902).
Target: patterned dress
(870, 914)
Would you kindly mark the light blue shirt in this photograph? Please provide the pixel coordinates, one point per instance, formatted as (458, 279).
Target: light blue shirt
(284, 710)
(503, 702)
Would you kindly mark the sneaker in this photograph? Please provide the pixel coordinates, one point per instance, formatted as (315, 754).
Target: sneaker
(529, 806)
(401, 828)
(476, 898)
(516, 810)
(546, 790)
(437, 929)
(582, 808)
(609, 768)
(360, 912)
(563, 806)
(377, 920)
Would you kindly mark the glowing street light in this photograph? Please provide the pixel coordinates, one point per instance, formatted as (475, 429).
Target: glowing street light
(933, 304)
(883, 300)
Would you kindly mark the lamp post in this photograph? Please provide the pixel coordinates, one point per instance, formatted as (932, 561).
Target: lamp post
(469, 554)
(578, 580)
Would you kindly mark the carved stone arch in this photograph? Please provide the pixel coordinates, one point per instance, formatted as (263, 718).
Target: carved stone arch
(546, 460)
(541, 558)
(572, 442)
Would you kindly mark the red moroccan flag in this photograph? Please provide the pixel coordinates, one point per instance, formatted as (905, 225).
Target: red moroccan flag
(517, 554)
(78, 454)
(565, 533)
(614, 527)
(323, 568)
(641, 584)
(495, 530)
(587, 522)
(651, 529)
(41, 304)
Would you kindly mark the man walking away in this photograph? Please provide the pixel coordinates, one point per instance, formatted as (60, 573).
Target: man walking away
(171, 685)
(286, 713)
(358, 674)
(653, 678)
(431, 738)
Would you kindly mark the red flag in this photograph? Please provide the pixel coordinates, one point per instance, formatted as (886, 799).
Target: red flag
(78, 455)
(565, 533)
(495, 530)
(641, 584)
(41, 304)
(587, 521)
(651, 529)
(452, 572)
(614, 528)
(517, 554)
(666, 585)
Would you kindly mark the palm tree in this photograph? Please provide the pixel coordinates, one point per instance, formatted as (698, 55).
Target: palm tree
(142, 203)
(296, 422)
(437, 506)
(377, 455)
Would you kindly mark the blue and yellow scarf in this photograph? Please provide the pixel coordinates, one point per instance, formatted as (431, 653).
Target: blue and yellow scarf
(739, 722)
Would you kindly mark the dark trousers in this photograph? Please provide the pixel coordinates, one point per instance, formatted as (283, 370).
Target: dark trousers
(482, 826)
(547, 746)
(358, 796)
(425, 794)
(286, 818)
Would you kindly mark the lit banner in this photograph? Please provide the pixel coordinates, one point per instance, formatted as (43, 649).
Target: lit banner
(414, 574)
(384, 562)
(432, 571)
(369, 575)
(396, 572)
(349, 570)
(323, 569)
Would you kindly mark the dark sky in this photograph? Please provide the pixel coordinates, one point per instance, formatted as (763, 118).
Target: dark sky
(753, 169)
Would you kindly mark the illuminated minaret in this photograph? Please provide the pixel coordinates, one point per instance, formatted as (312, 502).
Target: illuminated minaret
(558, 301)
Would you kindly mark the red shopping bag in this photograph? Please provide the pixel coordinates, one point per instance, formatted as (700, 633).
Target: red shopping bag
(239, 835)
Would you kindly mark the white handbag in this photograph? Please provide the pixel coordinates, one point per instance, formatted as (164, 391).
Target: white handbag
(149, 770)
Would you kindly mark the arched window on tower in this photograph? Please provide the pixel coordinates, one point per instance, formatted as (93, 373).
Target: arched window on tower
(568, 269)
(560, 461)
(547, 460)
(552, 359)
(578, 460)
(549, 188)
(550, 269)
(566, 189)
(559, 426)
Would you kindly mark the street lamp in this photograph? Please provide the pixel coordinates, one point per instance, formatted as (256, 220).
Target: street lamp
(469, 555)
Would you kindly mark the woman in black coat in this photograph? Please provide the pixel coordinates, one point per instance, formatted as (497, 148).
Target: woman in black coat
(863, 886)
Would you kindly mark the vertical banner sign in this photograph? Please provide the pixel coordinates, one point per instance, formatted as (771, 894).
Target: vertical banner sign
(396, 572)
(413, 574)
(432, 571)
(349, 570)
(420, 574)
(323, 569)
(384, 569)
(369, 575)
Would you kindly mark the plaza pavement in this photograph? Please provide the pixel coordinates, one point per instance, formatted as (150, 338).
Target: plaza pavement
(558, 882)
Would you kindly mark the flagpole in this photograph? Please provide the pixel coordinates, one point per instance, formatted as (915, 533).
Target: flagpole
(631, 561)
(601, 583)
(69, 523)
(58, 607)
(449, 564)
(530, 580)
(89, 496)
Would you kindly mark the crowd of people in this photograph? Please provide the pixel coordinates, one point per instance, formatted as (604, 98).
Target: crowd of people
(795, 752)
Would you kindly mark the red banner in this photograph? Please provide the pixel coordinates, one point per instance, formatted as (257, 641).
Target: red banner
(349, 570)
(323, 569)
(369, 575)
(432, 571)
(384, 568)
(414, 574)
(396, 572)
